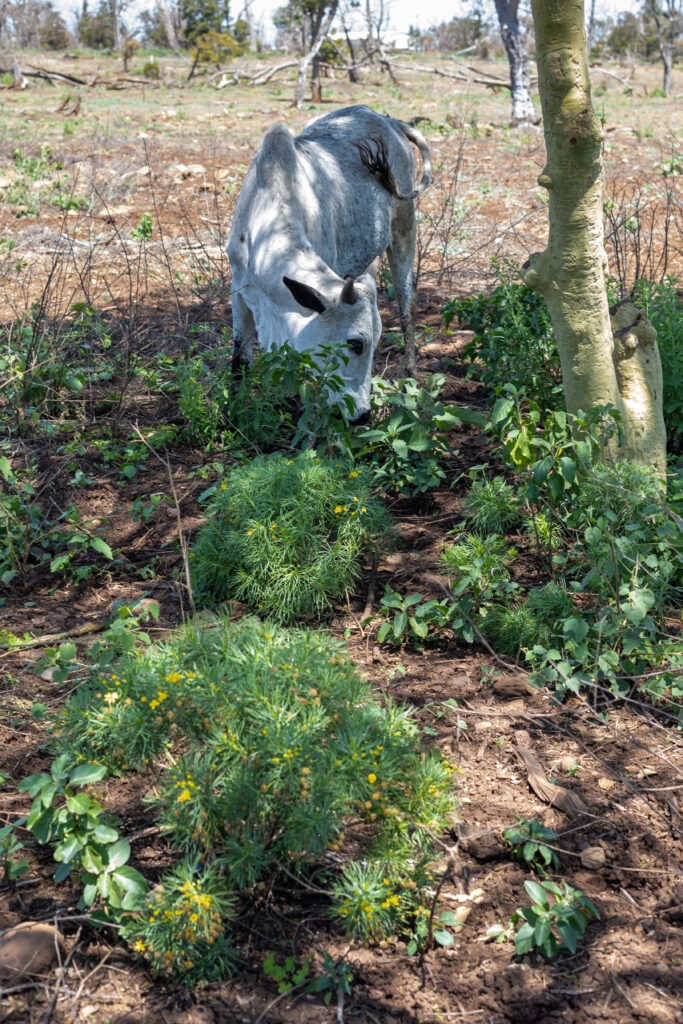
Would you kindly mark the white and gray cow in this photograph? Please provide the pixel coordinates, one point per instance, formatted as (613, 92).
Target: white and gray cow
(313, 215)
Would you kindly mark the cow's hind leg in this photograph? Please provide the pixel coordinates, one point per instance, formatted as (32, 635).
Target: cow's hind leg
(243, 335)
(401, 253)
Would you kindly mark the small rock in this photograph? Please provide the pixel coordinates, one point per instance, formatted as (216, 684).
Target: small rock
(605, 783)
(593, 858)
(567, 764)
(28, 949)
(483, 725)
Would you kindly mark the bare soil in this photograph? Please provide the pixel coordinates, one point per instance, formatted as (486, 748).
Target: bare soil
(179, 152)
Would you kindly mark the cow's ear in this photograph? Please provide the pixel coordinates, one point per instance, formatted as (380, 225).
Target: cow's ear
(306, 296)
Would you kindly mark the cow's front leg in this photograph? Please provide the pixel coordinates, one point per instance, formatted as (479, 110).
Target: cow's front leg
(243, 335)
(401, 253)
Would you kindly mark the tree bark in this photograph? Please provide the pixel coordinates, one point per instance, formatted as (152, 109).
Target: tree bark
(316, 43)
(603, 361)
(668, 18)
(515, 46)
(115, 14)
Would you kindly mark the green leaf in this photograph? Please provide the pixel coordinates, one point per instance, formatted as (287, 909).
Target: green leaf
(537, 893)
(400, 620)
(400, 447)
(119, 853)
(382, 632)
(59, 561)
(33, 784)
(5, 467)
(575, 629)
(63, 871)
(89, 893)
(411, 948)
(87, 774)
(92, 861)
(97, 544)
(569, 934)
(448, 917)
(444, 938)
(104, 834)
(79, 803)
(131, 880)
(67, 850)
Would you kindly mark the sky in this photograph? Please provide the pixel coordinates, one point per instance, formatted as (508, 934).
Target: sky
(402, 13)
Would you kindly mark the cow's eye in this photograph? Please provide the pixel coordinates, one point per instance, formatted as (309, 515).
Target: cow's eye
(356, 345)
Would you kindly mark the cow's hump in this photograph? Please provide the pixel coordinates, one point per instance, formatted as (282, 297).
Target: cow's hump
(276, 160)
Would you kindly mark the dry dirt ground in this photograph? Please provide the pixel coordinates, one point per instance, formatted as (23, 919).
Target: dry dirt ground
(178, 153)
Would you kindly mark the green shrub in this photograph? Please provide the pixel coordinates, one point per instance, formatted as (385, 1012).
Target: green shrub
(492, 506)
(513, 337)
(274, 741)
(285, 535)
(477, 563)
(542, 529)
(512, 628)
(407, 443)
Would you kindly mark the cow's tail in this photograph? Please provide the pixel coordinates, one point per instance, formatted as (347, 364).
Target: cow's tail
(418, 140)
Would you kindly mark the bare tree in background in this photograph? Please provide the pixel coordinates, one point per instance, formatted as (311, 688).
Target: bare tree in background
(667, 16)
(514, 42)
(591, 27)
(321, 18)
(169, 15)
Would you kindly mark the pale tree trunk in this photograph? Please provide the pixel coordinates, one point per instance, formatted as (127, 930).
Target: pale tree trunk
(591, 27)
(316, 43)
(668, 19)
(170, 25)
(515, 46)
(604, 360)
(115, 12)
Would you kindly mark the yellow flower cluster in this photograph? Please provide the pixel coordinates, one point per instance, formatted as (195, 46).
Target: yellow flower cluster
(185, 786)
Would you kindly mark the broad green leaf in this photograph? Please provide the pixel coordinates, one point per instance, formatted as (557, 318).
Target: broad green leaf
(537, 893)
(91, 859)
(67, 850)
(5, 467)
(63, 871)
(79, 803)
(131, 880)
(444, 938)
(87, 774)
(59, 561)
(104, 834)
(101, 545)
(118, 854)
(448, 917)
(33, 784)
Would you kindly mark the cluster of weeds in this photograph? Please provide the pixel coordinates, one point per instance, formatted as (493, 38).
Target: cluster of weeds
(513, 337)
(274, 741)
(285, 535)
(31, 534)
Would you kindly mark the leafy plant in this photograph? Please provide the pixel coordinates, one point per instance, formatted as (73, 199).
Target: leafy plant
(411, 619)
(181, 930)
(275, 741)
(13, 864)
(287, 975)
(527, 842)
(144, 229)
(478, 565)
(335, 977)
(513, 337)
(406, 445)
(553, 926)
(82, 835)
(492, 506)
(30, 537)
(286, 535)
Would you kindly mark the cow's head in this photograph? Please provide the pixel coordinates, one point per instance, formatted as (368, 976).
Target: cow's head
(345, 316)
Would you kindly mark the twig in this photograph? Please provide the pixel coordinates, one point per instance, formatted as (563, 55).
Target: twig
(62, 971)
(50, 638)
